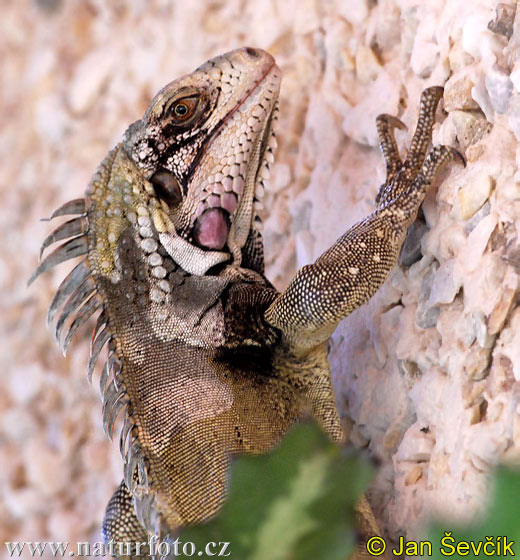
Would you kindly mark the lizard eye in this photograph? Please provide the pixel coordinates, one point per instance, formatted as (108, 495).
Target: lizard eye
(183, 109)
(180, 110)
(166, 187)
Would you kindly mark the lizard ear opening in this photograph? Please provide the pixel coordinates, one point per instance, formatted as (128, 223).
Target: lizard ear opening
(167, 187)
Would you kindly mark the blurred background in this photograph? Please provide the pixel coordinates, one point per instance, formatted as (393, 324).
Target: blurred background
(412, 370)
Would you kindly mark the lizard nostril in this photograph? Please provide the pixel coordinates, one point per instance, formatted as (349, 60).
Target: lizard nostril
(253, 53)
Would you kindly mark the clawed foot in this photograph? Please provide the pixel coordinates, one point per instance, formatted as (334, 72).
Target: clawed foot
(419, 168)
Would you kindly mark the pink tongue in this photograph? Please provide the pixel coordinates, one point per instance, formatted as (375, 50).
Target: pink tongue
(212, 229)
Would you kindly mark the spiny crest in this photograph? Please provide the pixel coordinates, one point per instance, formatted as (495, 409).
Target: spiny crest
(77, 298)
(73, 304)
(78, 288)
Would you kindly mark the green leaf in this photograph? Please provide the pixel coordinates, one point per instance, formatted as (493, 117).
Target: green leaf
(500, 526)
(294, 503)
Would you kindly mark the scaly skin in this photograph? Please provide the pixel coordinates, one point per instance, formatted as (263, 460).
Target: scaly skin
(206, 359)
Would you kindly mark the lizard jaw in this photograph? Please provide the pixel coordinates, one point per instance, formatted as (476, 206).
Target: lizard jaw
(224, 190)
(244, 220)
(229, 205)
(216, 216)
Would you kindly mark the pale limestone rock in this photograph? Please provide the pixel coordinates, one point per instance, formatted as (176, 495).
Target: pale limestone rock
(484, 339)
(512, 49)
(472, 196)
(515, 77)
(477, 241)
(459, 59)
(359, 122)
(66, 522)
(504, 20)
(304, 247)
(500, 88)
(337, 43)
(501, 311)
(481, 96)
(477, 40)
(381, 335)
(482, 285)
(510, 342)
(50, 120)
(475, 219)
(307, 17)
(281, 177)
(18, 424)
(357, 439)
(27, 383)
(94, 456)
(354, 14)
(513, 114)
(427, 314)
(89, 78)
(367, 65)
(24, 502)
(424, 55)
(46, 469)
(470, 127)
(446, 283)
(416, 446)
(457, 93)
(385, 26)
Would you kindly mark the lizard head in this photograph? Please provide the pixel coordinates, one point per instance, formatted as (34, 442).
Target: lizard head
(183, 186)
(203, 145)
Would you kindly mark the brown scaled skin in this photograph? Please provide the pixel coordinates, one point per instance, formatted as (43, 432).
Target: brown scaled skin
(206, 360)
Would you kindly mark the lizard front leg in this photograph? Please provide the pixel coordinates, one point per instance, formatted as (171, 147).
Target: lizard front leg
(351, 271)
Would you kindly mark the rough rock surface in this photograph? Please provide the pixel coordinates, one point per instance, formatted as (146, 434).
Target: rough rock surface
(427, 371)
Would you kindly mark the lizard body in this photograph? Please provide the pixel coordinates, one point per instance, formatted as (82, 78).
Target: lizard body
(205, 358)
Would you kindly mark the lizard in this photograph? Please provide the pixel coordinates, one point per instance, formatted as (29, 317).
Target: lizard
(206, 359)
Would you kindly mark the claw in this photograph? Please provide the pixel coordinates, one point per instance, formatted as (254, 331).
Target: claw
(458, 156)
(392, 121)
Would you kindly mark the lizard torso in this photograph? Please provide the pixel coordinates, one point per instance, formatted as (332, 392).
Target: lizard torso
(206, 359)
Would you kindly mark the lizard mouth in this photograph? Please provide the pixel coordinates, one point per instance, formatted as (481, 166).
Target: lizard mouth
(213, 218)
(211, 229)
